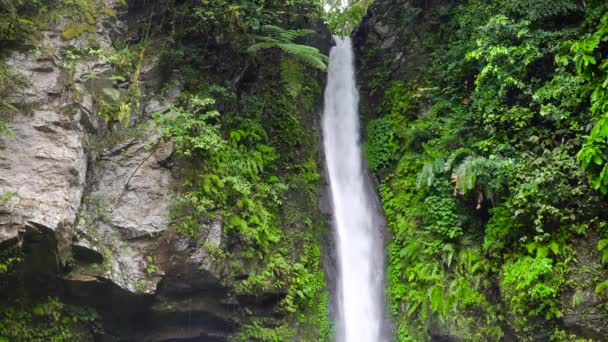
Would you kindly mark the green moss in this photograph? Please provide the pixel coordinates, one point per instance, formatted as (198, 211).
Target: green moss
(75, 30)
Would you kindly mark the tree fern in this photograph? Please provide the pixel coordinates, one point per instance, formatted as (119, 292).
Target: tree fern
(280, 34)
(277, 37)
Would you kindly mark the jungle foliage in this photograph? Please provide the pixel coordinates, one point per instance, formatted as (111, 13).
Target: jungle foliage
(248, 151)
(343, 16)
(493, 170)
(244, 136)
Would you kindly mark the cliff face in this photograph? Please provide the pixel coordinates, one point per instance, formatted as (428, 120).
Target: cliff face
(88, 196)
(474, 253)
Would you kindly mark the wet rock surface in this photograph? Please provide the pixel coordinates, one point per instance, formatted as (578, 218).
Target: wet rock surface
(94, 222)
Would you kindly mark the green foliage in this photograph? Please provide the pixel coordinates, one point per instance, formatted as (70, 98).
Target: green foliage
(250, 161)
(230, 178)
(150, 266)
(342, 17)
(114, 106)
(277, 37)
(9, 259)
(602, 246)
(50, 320)
(601, 287)
(21, 21)
(399, 99)
(16, 20)
(441, 217)
(484, 192)
(502, 230)
(225, 22)
(380, 146)
(592, 64)
(525, 289)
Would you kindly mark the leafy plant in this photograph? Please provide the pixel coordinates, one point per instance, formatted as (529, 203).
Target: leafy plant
(529, 291)
(342, 17)
(484, 192)
(592, 65)
(49, 320)
(277, 37)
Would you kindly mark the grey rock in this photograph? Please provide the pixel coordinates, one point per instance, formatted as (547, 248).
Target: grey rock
(164, 153)
(151, 76)
(156, 106)
(44, 66)
(45, 166)
(174, 93)
(381, 28)
(129, 195)
(214, 235)
(588, 317)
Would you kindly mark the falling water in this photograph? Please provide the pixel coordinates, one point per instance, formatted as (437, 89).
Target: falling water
(356, 218)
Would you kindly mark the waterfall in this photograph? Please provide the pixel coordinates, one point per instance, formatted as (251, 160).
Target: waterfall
(357, 220)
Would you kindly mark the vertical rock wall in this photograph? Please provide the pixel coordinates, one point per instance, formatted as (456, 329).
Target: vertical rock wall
(88, 200)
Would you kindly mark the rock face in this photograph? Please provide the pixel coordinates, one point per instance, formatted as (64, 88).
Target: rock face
(585, 317)
(391, 40)
(45, 165)
(94, 216)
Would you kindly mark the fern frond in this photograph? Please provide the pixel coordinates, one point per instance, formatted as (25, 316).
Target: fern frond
(307, 55)
(284, 35)
(299, 33)
(265, 39)
(277, 33)
(260, 46)
(425, 177)
(274, 36)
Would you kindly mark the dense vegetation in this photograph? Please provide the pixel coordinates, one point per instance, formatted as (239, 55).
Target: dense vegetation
(493, 171)
(492, 161)
(244, 133)
(252, 153)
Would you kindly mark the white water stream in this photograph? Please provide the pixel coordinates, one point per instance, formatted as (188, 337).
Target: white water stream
(356, 219)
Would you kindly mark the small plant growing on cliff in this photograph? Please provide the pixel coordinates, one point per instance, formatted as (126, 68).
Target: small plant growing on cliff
(150, 267)
(49, 320)
(277, 37)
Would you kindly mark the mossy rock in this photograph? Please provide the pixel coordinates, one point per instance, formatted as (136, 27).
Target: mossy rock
(75, 30)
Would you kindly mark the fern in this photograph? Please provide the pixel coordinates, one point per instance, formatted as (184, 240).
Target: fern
(113, 93)
(277, 37)
(285, 36)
